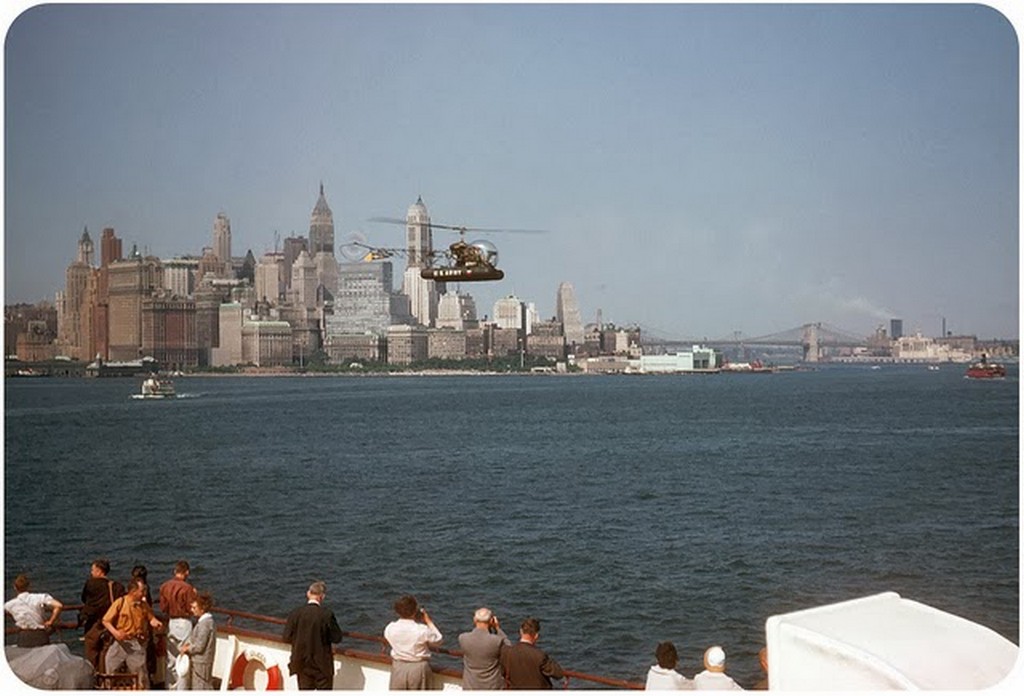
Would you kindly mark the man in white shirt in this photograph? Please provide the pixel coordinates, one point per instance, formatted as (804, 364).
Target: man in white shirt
(410, 636)
(714, 678)
(29, 612)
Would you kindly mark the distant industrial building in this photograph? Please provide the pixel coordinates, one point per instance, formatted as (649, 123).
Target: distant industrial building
(697, 359)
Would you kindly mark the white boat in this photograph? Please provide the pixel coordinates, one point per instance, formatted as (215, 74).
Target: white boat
(153, 388)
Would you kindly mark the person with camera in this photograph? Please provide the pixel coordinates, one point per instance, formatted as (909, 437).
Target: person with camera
(481, 649)
(411, 636)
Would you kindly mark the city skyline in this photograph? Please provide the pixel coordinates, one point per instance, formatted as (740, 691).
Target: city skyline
(700, 169)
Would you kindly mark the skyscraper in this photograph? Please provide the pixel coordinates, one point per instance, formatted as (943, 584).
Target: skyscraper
(222, 241)
(85, 248)
(422, 293)
(321, 227)
(567, 311)
(418, 237)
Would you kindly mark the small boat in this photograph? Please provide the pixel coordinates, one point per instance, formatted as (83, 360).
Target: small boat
(153, 388)
(983, 369)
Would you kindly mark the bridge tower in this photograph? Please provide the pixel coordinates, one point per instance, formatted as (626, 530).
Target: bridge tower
(812, 349)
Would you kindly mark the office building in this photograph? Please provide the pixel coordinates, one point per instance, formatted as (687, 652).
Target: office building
(567, 311)
(423, 294)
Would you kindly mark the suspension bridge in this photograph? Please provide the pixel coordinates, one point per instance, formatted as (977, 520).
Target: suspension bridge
(815, 339)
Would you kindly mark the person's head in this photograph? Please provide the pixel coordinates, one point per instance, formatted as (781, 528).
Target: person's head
(406, 607)
(317, 591)
(181, 569)
(100, 568)
(714, 659)
(529, 630)
(21, 584)
(140, 571)
(483, 616)
(666, 655)
(201, 604)
(762, 656)
(137, 588)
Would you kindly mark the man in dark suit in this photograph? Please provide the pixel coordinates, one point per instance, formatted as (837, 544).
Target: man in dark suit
(311, 629)
(525, 665)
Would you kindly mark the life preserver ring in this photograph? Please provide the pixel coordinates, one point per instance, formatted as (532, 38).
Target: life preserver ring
(245, 667)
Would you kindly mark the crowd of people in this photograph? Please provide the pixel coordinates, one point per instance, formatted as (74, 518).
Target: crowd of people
(120, 625)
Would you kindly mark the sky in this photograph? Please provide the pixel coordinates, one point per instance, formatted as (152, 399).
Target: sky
(700, 170)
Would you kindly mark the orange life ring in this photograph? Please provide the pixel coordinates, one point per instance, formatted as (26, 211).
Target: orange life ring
(244, 667)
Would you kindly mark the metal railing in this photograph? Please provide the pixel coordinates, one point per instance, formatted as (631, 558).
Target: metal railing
(450, 659)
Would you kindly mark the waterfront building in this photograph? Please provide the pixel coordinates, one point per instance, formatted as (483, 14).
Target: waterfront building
(503, 342)
(446, 344)
(478, 341)
(130, 282)
(546, 340)
(169, 330)
(36, 342)
(896, 328)
(423, 294)
(343, 349)
(229, 350)
(74, 304)
(110, 251)
(407, 344)
(306, 334)
(209, 296)
(918, 348)
(222, 243)
(18, 318)
(697, 359)
(266, 343)
(567, 311)
(456, 311)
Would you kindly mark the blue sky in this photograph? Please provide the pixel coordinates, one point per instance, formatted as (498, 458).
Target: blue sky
(701, 169)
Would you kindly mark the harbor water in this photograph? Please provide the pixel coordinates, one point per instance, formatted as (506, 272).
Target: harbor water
(620, 510)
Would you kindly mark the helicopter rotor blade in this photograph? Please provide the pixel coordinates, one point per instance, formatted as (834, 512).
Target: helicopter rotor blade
(461, 229)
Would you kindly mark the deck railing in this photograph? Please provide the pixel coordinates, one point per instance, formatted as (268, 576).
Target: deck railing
(239, 623)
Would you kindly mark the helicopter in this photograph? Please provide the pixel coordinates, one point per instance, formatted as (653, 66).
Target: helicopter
(466, 261)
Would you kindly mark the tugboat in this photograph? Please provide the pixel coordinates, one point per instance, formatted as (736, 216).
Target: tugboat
(983, 369)
(153, 388)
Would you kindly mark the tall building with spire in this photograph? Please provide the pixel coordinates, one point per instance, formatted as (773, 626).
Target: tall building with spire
(423, 294)
(567, 311)
(75, 304)
(321, 244)
(321, 227)
(222, 241)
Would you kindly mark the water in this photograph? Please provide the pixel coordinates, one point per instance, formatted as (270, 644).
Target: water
(621, 511)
